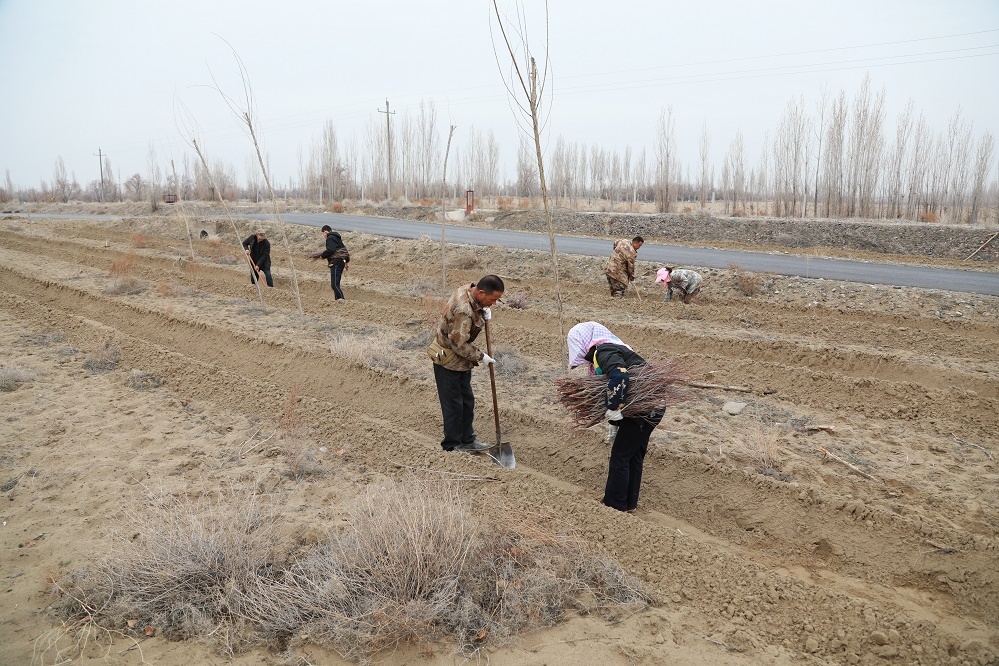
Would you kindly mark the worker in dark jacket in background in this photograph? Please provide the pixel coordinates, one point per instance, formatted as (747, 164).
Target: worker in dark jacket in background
(258, 249)
(336, 256)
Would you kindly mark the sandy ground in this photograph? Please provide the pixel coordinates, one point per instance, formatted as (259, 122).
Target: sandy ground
(884, 551)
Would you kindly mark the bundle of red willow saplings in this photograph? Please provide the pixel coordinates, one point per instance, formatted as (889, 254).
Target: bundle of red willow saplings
(651, 387)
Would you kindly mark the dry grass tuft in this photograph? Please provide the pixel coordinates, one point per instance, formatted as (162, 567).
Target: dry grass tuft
(165, 289)
(125, 286)
(104, 357)
(12, 376)
(747, 284)
(509, 362)
(374, 349)
(142, 381)
(420, 340)
(520, 301)
(465, 261)
(140, 239)
(124, 265)
(760, 445)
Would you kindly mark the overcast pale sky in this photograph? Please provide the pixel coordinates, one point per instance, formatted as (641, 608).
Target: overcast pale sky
(105, 74)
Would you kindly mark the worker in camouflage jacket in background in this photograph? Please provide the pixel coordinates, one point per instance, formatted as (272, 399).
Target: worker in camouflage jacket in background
(620, 267)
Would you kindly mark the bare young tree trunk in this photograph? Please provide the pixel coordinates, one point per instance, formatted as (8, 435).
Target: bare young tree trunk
(789, 158)
(245, 113)
(983, 164)
(737, 172)
(823, 106)
(833, 160)
(916, 170)
(447, 151)
(666, 166)
(895, 177)
(705, 146)
(187, 222)
(961, 142)
(533, 90)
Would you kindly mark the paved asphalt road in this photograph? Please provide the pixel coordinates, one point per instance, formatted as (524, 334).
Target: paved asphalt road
(978, 282)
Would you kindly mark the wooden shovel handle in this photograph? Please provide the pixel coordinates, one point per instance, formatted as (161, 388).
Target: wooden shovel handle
(492, 382)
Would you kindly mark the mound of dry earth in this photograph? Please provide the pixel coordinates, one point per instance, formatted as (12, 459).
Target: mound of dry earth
(868, 537)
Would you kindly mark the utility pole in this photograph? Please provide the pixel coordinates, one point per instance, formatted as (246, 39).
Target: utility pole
(388, 145)
(100, 158)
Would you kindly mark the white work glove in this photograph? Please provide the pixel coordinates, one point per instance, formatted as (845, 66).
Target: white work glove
(611, 432)
(487, 359)
(487, 314)
(614, 415)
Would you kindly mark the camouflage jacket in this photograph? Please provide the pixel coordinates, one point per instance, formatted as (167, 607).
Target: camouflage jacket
(457, 329)
(621, 265)
(684, 279)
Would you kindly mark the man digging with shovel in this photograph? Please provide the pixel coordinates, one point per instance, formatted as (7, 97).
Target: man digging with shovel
(464, 316)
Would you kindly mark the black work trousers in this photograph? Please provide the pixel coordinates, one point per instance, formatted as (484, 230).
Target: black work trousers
(454, 388)
(267, 276)
(624, 475)
(336, 272)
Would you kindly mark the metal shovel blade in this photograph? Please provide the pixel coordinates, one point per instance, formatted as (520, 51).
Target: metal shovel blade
(502, 455)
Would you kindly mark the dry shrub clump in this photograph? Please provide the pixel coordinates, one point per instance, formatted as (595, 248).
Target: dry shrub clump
(747, 284)
(124, 265)
(183, 569)
(518, 301)
(759, 444)
(412, 564)
(465, 261)
(374, 349)
(104, 357)
(509, 362)
(125, 286)
(12, 376)
(143, 381)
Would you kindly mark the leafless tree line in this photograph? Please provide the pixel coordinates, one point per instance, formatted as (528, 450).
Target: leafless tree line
(834, 158)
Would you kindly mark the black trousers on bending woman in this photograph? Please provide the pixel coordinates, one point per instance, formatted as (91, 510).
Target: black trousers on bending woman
(624, 476)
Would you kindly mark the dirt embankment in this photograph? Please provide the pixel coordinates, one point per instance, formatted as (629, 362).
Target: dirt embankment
(870, 537)
(905, 239)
